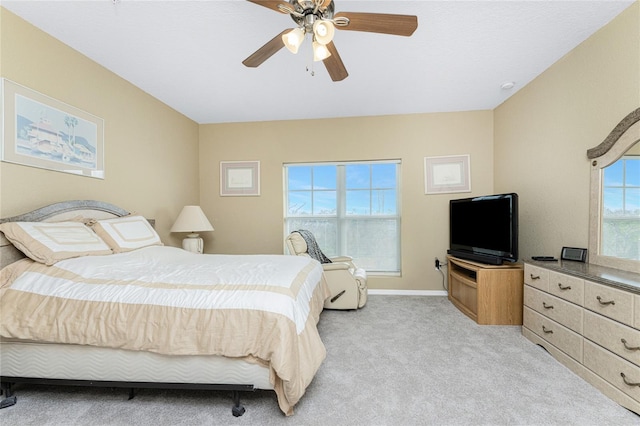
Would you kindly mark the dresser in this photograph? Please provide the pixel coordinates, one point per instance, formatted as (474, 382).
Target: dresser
(588, 318)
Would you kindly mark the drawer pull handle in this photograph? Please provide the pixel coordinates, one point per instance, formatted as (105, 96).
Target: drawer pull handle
(544, 305)
(535, 277)
(546, 331)
(564, 288)
(609, 302)
(629, 348)
(624, 378)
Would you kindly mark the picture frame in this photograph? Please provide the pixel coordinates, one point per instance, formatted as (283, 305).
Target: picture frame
(39, 131)
(240, 178)
(447, 174)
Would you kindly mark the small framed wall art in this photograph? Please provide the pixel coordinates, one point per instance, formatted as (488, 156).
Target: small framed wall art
(447, 174)
(239, 178)
(43, 132)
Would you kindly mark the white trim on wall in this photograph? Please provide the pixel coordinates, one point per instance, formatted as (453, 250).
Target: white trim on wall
(407, 292)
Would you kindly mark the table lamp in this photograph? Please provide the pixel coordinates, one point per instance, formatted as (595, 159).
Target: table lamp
(192, 220)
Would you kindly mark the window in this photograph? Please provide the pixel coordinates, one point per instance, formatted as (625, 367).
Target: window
(351, 208)
(621, 209)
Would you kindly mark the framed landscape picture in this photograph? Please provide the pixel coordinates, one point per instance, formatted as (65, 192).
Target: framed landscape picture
(39, 131)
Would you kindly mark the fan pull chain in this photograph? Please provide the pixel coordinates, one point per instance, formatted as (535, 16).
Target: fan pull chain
(311, 71)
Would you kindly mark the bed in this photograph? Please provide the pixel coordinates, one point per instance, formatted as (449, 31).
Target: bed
(148, 315)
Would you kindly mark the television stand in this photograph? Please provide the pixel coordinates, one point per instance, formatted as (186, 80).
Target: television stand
(488, 294)
(476, 257)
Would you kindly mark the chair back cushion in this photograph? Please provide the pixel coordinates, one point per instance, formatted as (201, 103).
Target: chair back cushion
(296, 243)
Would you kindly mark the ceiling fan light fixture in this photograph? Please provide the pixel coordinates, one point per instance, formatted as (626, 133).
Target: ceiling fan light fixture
(320, 51)
(323, 31)
(317, 18)
(341, 21)
(293, 39)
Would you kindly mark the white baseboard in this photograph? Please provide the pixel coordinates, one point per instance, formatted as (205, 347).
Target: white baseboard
(407, 292)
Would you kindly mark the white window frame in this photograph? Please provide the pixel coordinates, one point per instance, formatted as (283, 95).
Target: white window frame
(341, 215)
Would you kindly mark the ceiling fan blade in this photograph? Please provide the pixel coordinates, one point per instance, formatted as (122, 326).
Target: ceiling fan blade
(334, 64)
(384, 23)
(273, 5)
(266, 51)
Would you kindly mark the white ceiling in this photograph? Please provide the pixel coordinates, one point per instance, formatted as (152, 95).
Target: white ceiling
(189, 54)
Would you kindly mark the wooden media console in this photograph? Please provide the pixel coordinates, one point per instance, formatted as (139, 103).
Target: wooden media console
(488, 294)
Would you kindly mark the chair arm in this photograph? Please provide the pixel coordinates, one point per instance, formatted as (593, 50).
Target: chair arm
(361, 279)
(344, 259)
(335, 266)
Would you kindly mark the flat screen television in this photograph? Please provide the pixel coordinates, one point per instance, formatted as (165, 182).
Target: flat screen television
(484, 229)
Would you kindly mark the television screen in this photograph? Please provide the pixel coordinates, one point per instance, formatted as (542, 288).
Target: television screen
(485, 228)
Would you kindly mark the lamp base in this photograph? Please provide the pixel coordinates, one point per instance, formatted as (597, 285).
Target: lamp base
(193, 243)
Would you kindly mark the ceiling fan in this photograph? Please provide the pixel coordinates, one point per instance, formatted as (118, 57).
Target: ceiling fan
(317, 18)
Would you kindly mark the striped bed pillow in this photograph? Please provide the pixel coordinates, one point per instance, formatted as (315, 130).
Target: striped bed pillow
(50, 242)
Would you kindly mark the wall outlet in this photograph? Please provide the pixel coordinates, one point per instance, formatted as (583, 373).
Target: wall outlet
(437, 264)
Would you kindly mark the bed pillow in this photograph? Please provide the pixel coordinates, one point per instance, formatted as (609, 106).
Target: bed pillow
(50, 242)
(127, 233)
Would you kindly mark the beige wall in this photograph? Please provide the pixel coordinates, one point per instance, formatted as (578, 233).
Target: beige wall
(157, 160)
(538, 150)
(151, 151)
(255, 224)
(542, 133)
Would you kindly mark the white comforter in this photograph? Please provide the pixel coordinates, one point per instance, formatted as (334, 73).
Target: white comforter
(166, 300)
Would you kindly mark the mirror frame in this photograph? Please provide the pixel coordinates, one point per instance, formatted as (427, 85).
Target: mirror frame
(621, 138)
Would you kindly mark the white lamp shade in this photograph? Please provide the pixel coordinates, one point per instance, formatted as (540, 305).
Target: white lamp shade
(191, 219)
(320, 51)
(293, 39)
(323, 31)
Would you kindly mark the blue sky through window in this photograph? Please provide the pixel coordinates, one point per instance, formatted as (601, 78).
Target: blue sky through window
(370, 189)
(324, 177)
(622, 187)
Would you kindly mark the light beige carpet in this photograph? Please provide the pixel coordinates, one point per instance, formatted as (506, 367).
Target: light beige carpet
(401, 360)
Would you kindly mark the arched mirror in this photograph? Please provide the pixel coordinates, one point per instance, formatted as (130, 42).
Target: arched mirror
(614, 217)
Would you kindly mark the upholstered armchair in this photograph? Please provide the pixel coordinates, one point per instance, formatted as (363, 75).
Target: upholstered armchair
(348, 283)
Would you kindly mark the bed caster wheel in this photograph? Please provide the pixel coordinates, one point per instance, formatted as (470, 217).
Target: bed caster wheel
(238, 410)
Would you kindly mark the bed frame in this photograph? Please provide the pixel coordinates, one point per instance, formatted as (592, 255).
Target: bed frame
(76, 365)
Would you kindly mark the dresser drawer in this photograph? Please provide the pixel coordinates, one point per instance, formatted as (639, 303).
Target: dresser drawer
(559, 310)
(615, 370)
(536, 277)
(561, 337)
(610, 302)
(567, 287)
(637, 310)
(616, 337)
